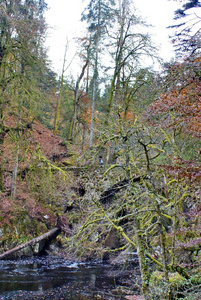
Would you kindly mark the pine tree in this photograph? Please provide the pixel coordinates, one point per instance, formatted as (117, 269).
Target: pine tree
(187, 36)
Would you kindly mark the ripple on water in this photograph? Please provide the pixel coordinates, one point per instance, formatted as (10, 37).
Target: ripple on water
(54, 278)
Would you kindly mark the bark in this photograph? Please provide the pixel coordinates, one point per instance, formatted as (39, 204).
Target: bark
(75, 111)
(83, 136)
(94, 97)
(1, 161)
(117, 187)
(163, 244)
(1, 179)
(146, 151)
(14, 175)
(119, 61)
(57, 115)
(142, 258)
(38, 241)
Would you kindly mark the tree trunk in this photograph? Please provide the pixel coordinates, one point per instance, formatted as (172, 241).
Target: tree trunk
(1, 159)
(57, 115)
(35, 246)
(83, 136)
(75, 111)
(94, 96)
(14, 175)
(1, 178)
(142, 261)
(115, 84)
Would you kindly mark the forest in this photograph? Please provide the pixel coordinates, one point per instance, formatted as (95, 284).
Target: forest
(112, 158)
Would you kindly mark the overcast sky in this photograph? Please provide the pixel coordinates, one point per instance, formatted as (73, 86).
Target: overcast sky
(63, 18)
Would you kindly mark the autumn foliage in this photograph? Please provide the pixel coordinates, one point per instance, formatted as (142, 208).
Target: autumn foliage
(180, 105)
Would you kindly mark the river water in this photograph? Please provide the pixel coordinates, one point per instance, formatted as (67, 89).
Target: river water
(56, 278)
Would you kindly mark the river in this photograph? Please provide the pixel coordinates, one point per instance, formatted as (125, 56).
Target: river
(57, 278)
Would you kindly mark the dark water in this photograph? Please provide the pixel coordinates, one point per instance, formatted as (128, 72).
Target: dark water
(56, 278)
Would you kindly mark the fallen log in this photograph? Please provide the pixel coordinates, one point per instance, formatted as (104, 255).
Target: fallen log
(33, 247)
(117, 187)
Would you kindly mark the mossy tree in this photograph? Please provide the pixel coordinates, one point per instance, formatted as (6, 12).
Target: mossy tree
(145, 209)
(22, 56)
(129, 46)
(99, 16)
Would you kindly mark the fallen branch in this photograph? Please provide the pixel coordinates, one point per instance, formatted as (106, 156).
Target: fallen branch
(35, 246)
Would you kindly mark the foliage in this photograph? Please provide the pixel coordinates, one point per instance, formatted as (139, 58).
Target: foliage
(150, 216)
(187, 36)
(146, 127)
(177, 110)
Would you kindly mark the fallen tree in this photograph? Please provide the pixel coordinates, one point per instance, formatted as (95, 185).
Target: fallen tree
(117, 187)
(33, 247)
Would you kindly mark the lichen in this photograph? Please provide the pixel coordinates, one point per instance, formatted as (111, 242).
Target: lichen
(158, 278)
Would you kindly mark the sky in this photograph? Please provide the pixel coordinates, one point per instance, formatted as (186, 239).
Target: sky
(63, 18)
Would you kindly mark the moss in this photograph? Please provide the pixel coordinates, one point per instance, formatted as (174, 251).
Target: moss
(196, 279)
(67, 163)
(158, 278)
(176, 279)
(166, 290)
(196, 257)
(74, 218)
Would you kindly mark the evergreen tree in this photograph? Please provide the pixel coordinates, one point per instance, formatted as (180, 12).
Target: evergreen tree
(187, 37)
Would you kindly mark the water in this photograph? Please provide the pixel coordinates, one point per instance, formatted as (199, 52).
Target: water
(56, 278)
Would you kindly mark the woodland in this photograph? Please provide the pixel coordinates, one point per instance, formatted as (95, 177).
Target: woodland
(144, 124)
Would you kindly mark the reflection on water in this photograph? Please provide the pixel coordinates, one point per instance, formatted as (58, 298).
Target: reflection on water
(54, 278)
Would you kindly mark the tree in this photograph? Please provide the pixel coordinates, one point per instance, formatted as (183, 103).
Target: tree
(21, 54)
(177, 109)
(187, 37)
(58, 110)
(130, 46)
(98, 16)
(146, 212)
(78, 92)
